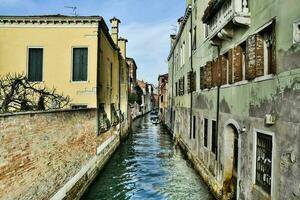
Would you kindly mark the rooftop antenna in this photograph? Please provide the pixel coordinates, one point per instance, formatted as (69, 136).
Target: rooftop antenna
(74, 10)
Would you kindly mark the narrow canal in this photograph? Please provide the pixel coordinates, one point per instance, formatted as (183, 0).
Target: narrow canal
(148, 166)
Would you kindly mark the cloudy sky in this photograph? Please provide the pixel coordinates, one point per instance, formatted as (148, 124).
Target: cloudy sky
(147, 24)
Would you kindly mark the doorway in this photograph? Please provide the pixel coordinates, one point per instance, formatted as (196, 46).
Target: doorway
(231, 162)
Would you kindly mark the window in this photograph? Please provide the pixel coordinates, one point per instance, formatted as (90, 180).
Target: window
(195, 38)
(80, 61)
(243, 46)
(194, 127)
(297, 32)
(111, 75)
(183, 54)
(214, 137)
(205, 27)
(205, 132)
(181, 86)
(264, 148)
(35, 64)
(190, 43)
(176, 89)
(161, 98)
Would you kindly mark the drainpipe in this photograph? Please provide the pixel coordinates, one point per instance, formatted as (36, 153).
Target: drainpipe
(98, 75)
(218, 113)
(192, 70)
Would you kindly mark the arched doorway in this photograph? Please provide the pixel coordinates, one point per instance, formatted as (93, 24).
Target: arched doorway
(231, 161)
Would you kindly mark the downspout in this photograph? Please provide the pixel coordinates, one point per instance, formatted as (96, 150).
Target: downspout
(192, 70)
(218, 112)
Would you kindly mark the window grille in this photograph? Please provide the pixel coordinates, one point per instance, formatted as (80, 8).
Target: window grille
(264, 161)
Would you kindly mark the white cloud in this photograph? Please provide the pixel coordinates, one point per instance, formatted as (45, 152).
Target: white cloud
(149, 46)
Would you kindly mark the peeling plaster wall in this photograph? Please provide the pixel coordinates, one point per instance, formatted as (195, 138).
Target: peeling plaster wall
(245, 105)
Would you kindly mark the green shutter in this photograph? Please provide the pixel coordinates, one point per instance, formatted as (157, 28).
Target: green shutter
(80, 59)
(35, 65)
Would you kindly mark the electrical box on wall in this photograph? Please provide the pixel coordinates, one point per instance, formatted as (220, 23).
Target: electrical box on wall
(270, 119)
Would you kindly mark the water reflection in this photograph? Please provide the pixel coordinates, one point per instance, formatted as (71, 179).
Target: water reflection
(148, 166)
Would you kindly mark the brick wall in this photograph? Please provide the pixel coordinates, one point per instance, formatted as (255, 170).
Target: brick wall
(41, 152)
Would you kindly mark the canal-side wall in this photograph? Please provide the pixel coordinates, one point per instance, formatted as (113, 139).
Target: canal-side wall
(282, 98)
(56, 154)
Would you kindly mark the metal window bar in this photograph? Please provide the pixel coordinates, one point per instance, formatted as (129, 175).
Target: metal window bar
(264, 161)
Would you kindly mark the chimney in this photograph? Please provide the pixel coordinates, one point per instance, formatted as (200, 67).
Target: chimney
(115, 29)
(188, 3)
(173, 39)
(180, 20)
(122, 46)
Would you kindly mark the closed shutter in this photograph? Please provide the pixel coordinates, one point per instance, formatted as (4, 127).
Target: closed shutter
(202, 78)
(189, 82)
(219, 71)
(223, 63)
(35, 65)
(214, 73)
(230, 66)
(259, 55)
(183, 85)
(272, 69)
(237, 63)
(80, 59)
(251, 57)
(194, 81)
(208, 74)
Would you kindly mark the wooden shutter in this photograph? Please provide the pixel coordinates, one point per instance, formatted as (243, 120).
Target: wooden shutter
(251, 57)
(237, 63)
(259, 52)
(208, 74)
(202, 78)
(272, 69)
(80, 56)
(214, 73)
(219, 71)
(223, 65)
(194, 81)
(230, 66)
(189, 82)
(35, 64)
(183, 85)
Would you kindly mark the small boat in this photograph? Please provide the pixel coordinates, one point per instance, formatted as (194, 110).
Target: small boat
(155, 120)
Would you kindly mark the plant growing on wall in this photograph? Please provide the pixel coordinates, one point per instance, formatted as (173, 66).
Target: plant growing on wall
(115, 116)
(104, 123)
(17, 94)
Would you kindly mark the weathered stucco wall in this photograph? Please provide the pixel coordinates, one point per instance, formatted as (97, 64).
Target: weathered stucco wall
(42, 152)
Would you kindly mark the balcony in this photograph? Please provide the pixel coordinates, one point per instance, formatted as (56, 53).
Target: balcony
(222, 15)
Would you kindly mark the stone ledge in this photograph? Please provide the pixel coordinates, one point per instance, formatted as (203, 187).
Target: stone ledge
(44, 112)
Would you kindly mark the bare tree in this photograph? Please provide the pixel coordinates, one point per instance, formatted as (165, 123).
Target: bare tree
(17, 93)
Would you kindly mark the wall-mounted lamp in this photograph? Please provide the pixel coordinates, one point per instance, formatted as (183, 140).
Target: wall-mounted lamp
(243, 130)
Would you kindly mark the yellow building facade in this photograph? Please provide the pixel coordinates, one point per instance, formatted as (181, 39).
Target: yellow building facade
(75, 55)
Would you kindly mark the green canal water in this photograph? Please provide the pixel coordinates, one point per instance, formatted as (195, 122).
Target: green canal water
(148, 166)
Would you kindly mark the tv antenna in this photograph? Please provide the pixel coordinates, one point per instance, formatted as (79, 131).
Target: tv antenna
(74, 10)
